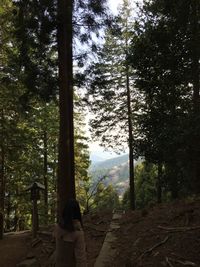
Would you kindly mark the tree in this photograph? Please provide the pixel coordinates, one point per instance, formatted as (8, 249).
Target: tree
(146, 176)
(161, 54)
(35, 61)
(29, 123)
(66, 179)
(5, 20)
(66, 26)
(81, 148)
(87, 198)
(111, 93)
(195, 80)
(106, 197)
(66, 176)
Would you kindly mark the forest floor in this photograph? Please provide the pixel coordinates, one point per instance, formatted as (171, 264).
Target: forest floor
(15, 247)
(164, 235)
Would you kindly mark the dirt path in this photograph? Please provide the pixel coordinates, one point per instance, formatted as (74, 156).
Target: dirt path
(164, 235)
(13, 248)
(108, 250)
(16, 246)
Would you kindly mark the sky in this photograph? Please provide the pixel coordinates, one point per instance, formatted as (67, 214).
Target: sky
(113, 4)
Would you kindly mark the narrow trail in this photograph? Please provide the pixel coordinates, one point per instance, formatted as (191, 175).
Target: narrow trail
(108, 251)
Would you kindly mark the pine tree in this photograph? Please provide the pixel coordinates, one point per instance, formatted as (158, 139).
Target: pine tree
(29, 115)
(111, 93)
(163, 56)
(66, 168)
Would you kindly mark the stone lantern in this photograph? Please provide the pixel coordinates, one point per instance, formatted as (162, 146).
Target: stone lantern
(35, 189)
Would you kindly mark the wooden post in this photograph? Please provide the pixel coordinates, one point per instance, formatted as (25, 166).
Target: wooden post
(35, 190)
(35, 218)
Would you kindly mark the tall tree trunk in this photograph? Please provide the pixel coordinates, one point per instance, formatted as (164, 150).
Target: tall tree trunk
(130, 143)
(52, 205)
(2, 192)
(130, 127)
(66, 180)
(66, 172)
(173, 178)
(159, 183)
(54, 182)
(35, 221)
(45, 176)
(196, 97)
(2, 178)
(8, 211)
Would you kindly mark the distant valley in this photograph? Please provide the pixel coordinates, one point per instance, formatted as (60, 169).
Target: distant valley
(116, 169)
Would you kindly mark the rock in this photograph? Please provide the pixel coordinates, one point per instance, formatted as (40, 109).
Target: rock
(29, 263)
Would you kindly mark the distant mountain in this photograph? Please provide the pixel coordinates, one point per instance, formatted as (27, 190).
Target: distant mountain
(116, 170)
(94, 158)
(99, 155)
(110, 163)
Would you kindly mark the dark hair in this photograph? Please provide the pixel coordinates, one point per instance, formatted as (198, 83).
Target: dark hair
(71, 212)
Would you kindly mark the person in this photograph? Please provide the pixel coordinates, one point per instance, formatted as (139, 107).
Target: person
(70, 242)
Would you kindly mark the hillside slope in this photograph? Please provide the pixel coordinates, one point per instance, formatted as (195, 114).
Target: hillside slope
(116, 170)
(165, 235)
(110, 163)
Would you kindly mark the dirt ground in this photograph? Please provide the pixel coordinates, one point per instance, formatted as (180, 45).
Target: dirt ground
(165, 235)
(15, 247)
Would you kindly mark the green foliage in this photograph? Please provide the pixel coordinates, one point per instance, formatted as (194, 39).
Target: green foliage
(106, 198)
(23, 140)
(126, 199)
(115, 169)
(145, 186)
(146, 176)
(35, 57)
(163, 48)
(98, 195)
(29, 109)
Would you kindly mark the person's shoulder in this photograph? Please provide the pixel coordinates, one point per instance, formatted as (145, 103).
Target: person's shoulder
(77, 225)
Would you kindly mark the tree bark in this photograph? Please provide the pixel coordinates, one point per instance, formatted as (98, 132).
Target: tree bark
(2, 193)
(130, 143)
(66, 172)
(66, 181)
(45, 176)
(35, 222)
(173, 176)
(196, 97)
(130, 128)
(159, 185)
(8, 211)
(2, 178)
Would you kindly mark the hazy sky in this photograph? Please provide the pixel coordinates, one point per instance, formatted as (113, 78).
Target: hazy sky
(114, 4)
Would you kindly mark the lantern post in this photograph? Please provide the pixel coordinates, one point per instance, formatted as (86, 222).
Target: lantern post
(35, 189)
